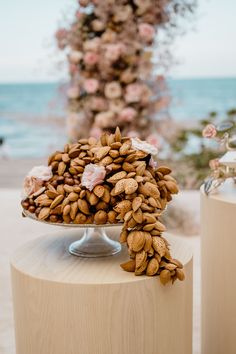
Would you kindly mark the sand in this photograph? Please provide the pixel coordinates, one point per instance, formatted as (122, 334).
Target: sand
(15, 230)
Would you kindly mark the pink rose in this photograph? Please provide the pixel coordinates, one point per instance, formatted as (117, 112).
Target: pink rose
(214, 164)
(91, 58)
(73, 68)
(73, 92)
(92, 44)
(114, 51)
(209, 131)
(33, 182)
(105, 119)
(146, 32)
(127, 114)
(75, 56)
(113, 90)
(154, 139)
(92, 176)
(133, 93)
(98, 104)
(142, 145)
(91, 85)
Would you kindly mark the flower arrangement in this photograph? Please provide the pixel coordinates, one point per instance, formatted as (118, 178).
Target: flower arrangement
(110, 46)
(110, 180)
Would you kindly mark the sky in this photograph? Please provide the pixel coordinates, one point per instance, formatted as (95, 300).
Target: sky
(28, 52)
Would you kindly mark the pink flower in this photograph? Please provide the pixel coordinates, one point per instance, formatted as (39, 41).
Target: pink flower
(98, 104)
(116, 105)
(142, 145)
(123, 13)
(114, 51)
(92, 176)
(91, 58)
(146, 32)
(133, 93)
(105, 119)
(113, 90)
(73, 68)
(73, 92)
(154, 140)
(92, 44)
(209, 131)
(75, 56)
(33, 182)
(214, 164)
(127, 114)
(91, 85)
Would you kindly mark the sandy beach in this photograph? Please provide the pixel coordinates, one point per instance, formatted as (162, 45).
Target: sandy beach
(16, 230)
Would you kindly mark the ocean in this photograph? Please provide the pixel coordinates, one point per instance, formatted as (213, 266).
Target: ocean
(32, 116)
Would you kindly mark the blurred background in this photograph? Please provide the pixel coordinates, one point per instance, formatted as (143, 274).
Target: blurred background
(200, 84)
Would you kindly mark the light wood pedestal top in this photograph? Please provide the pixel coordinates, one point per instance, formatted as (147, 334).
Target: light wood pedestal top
(65, 304)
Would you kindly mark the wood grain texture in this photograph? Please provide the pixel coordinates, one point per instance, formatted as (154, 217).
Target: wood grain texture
(218, 220)
(69, 305)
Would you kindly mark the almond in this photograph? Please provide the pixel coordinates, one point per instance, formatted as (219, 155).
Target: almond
(57, 201)
(73, 197)
(140, 258)
(99, 191)
(172, 187)
(117, 176)
(180, 274)
(138, 216)
(100, 217)
(152, 267)
(138, 241)
(164, 170)
(73, 210)
(80, 219)
(159, 245)
(83, 206)
(66, 209)
(112, 217)
(165, 276)
(129, 266)
(130, 186)
(44, 213)
(61, 168)
(102, 152)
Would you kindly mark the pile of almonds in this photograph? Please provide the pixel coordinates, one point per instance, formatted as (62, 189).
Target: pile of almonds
(134, 192)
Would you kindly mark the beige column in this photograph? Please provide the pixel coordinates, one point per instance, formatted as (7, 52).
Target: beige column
(218, 237)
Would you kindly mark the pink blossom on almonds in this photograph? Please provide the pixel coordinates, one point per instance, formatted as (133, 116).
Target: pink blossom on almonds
(35, 178)
(142, 145)
(91, 85)
(209, 131)
(92, 176)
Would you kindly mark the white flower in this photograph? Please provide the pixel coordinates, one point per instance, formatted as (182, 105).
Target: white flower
(92, 176)
(41, 172)
(138, 144)
(33, 182)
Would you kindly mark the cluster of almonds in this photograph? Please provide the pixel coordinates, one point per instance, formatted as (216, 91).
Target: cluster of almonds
(134, 192)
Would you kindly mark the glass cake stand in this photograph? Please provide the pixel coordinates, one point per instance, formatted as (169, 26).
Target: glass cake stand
(94, 242)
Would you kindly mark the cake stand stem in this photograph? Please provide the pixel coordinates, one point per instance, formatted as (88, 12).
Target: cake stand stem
(94, 243)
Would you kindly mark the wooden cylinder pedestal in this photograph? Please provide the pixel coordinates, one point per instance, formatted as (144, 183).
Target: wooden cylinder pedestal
(65, 304)
(218, 238)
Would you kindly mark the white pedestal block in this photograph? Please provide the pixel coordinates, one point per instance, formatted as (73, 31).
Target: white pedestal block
(218, 237)
(69, 305)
